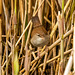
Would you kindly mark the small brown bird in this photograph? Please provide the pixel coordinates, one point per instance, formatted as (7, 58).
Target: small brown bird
(39, 36)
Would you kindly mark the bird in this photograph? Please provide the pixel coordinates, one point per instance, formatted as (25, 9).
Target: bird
(39, 35)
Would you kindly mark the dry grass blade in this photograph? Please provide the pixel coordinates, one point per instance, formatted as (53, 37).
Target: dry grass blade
(0, 35)
(74, 43)
(69, 51)
(69, 65)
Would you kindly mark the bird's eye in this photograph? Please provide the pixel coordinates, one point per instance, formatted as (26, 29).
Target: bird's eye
(38, 35)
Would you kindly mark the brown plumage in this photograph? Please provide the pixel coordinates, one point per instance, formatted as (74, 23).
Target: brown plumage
(39, 36)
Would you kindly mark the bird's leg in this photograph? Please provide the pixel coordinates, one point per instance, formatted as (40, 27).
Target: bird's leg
(39, 51)
(46, 49)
